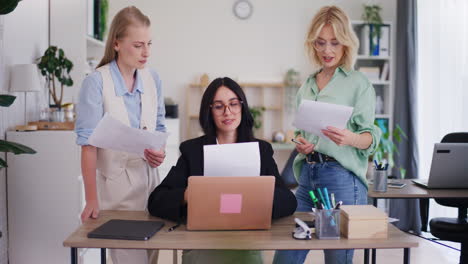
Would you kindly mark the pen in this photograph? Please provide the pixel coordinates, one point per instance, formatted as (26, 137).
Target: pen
(314, 199)
(327, 200)
(322, 199)
(332, 195)
(376, 164)
(297, 142)
(174, 227)
(338, 205)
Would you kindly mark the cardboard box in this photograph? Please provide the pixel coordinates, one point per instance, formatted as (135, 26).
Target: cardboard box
(363, 221)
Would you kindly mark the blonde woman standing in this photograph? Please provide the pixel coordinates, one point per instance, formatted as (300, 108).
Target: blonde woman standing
(123, 87)
(338, 163)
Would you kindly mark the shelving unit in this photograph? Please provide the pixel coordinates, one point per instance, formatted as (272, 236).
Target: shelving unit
(260, 94)
(384, 87)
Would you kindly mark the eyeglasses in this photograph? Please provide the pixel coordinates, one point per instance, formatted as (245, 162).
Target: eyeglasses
(235, 106)
(321, 45)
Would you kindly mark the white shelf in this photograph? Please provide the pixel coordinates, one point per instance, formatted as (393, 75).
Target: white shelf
(383, 116)
(363, 57)
(380, 82)
(90, 41)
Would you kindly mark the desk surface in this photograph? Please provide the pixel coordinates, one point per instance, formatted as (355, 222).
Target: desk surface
(412, 190)
(278, 237)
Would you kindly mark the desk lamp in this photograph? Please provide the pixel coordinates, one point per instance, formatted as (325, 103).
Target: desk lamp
(25, 78)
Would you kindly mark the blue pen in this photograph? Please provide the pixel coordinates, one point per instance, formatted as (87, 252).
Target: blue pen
(327, 200)
(386, 166)
(376, 164)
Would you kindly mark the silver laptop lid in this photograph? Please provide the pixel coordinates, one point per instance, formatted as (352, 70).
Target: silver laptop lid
(449, 167)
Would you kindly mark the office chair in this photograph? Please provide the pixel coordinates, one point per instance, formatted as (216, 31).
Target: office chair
(288, 174)
(453, 229)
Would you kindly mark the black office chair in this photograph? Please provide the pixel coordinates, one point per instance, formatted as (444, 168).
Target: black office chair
(453, 229)
(288, 174)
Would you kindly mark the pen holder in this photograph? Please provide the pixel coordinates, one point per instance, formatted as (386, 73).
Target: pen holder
(327, 224)
(380, 181)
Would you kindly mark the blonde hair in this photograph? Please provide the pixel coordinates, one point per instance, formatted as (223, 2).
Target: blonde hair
(337, 18)
(118, 29)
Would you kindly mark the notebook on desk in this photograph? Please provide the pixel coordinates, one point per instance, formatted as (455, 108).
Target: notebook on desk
(127, 229)
(449, 167)
(229, 203)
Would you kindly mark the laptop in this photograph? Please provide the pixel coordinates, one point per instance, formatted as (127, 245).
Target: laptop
(229, 203)
(127, 229)
(449, 167)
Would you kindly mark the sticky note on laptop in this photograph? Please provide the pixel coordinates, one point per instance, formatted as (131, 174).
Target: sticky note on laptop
(230, 203)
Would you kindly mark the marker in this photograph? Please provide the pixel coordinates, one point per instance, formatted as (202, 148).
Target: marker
(332, 195)
(322, 199)
(297, 142)
(327, 200)
(314, 199)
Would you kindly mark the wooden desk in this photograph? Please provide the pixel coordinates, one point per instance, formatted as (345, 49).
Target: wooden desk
(278, 237)
(413, 191)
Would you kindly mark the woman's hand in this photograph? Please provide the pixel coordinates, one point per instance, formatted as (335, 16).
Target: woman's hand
(91, 210)
(341, 137)
(306, 148)
(155, 157)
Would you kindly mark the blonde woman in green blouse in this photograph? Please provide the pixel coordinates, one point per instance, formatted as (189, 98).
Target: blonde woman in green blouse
(338, 162)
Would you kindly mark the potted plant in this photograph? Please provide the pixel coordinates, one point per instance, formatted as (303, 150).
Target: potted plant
(387, 148)
(256, 112)
(371, 16)
(56, 67)
(8, 146)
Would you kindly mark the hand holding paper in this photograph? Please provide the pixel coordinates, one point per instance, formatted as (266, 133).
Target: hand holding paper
(113, 134)
(314, 117)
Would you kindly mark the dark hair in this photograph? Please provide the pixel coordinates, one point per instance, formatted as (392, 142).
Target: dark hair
(244, 130)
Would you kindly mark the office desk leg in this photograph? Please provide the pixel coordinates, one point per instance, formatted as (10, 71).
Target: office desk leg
(103, 256)
(174, 256)
(74, 255)
(366, 256)
(406, 256)
(374, 256)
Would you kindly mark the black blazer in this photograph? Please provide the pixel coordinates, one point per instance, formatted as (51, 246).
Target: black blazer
(166, 200)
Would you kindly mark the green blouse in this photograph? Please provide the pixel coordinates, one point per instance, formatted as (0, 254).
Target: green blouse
(350, 88)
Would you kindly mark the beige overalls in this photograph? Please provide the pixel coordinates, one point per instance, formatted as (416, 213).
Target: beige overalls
(125, 180)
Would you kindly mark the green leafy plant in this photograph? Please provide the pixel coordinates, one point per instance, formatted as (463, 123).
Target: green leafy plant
(371, 16)
(256, 113)
(8, 146)
(387, 148)
(54, 65)
(8, 6)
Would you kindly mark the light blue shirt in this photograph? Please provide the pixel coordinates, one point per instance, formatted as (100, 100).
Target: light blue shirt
(90, 107)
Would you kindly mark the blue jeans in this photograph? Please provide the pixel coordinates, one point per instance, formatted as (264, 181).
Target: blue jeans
(347, 188)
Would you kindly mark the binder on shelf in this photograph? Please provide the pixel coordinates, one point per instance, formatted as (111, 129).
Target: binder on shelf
(372, 73)
(384, 74)
(364, 39)
(384, 41)
(374, 41)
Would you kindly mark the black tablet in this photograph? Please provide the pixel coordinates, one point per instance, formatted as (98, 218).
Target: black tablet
(127, 229)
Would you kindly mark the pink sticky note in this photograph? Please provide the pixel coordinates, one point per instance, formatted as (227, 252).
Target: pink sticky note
(230, 204)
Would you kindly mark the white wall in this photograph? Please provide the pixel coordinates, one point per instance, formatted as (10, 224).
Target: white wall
(195, 37)
(23, 39)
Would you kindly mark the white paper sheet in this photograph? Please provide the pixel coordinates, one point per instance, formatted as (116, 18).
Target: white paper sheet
(113, 134)
(239, 159)
(313, 116)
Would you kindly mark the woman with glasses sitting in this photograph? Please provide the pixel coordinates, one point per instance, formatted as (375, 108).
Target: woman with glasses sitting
(339, 160)
(224, 118)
